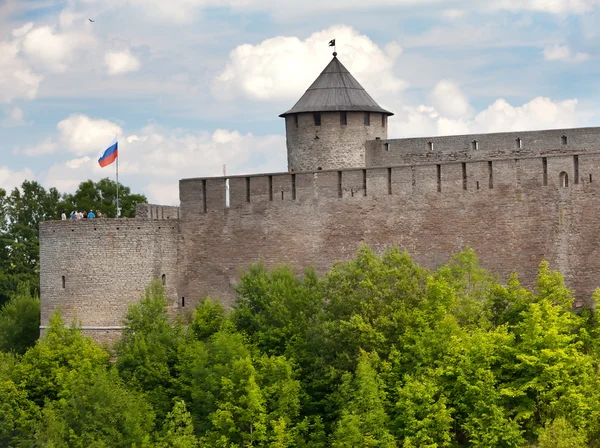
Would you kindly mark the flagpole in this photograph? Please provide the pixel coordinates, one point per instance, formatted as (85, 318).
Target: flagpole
(118, 214)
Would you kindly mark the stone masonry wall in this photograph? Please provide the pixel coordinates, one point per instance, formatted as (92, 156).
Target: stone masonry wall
(483, 146)
(92, 270)
(331, 145)
(514, 212)
(153, 211)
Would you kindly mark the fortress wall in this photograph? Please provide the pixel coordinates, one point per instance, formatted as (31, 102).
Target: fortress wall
(153, 211)
(461, 147)
(331, 145)
(513, 222)
(106, 265)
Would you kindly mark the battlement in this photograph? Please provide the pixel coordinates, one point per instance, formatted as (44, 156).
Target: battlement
(481, 146)
(154, 211)
(555, 170)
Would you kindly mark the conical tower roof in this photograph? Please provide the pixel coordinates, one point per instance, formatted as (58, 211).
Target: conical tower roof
(336, 90)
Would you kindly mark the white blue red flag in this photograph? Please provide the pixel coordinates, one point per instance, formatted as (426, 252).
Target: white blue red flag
(110, 155)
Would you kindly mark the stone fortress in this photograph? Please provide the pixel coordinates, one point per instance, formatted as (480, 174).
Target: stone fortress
(516, 198)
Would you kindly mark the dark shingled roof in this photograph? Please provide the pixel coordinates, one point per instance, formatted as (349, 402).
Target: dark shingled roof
(336, 90)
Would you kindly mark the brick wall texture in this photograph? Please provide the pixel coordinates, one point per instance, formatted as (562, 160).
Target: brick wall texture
(106, 265)
(514, 202)
(330, 145)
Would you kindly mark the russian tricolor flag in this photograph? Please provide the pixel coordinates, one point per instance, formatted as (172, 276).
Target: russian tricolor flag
(110, 155)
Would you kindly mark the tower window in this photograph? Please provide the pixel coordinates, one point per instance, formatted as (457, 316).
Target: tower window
(430, 146)
(387, 147)
(64, 282)
(383, 120)
(317, 118)
(564, 140)
(564, 179)
(367, 119)
(343, 118)
(182, 302)
(296, 120)
(474, 145)
(519, 143)
(164, 279)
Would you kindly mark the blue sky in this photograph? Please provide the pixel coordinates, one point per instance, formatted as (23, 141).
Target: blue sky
(190, 85)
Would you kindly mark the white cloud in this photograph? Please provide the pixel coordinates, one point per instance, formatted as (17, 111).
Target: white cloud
(284, 67)
(13, 117)
(563, 53)
(82, 135)
(448, 98)
(10, 179)
(539, 113)
(550, 6)
(54, 50)
(120, 62)
(453, 14)
(43, 148)
(17, 80)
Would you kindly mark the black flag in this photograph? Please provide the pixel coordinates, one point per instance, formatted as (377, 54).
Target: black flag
(332, 43)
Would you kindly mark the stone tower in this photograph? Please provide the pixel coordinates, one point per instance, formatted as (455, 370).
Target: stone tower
(329, 125)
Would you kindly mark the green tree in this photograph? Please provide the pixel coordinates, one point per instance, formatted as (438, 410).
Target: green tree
(61, 355)
(20, 321)
(363, 421)
(102, 195)
(96, 410)
(178, 431)
(148, 350)
(560, 434)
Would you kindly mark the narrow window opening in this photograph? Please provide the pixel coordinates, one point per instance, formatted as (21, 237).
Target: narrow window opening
(183, 302)
(519, 143)
(340, 191)
(474, 145)
(545, 168)
(204, 199)
(270, 188)
(564, 179)
(247, 189)
(282, 195)
(464, 175)
(367, 118)
(564, 140)
(383, 120)
(293, 187)
(477, 185)
(343, 118)
(64, 282)
(590, 178)
(163, 278)
(491, 173)
(319, 169)
(296, 120)
(227, 194)
(414, 176)
(364, 182)
(352, 192)
(387, 147)
(317, 118)
(576, 170)
(389, 179)
(439, 178)
(430, 146)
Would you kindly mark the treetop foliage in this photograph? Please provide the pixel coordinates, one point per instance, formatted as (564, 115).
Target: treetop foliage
(379, 352)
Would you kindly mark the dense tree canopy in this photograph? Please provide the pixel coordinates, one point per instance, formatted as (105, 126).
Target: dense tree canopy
(379, 352)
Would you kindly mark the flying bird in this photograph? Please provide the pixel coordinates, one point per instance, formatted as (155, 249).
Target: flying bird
(91, 20)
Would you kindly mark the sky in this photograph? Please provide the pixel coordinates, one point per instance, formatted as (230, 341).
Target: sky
(191, 85)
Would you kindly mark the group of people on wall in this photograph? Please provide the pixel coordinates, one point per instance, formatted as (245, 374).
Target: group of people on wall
(82, 214)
